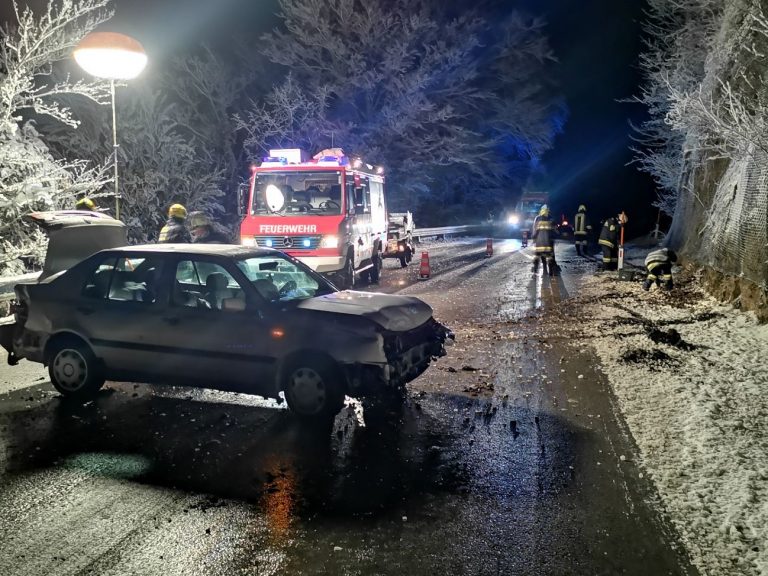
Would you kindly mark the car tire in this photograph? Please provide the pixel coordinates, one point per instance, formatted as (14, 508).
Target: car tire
(74, 370)
(313, 388)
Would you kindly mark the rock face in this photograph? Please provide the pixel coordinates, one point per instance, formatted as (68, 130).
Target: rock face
(742, 292)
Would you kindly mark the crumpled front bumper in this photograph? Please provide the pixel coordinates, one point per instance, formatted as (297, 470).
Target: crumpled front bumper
(408, 356)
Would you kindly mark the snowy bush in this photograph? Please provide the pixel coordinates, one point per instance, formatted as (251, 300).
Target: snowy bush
(30, 177)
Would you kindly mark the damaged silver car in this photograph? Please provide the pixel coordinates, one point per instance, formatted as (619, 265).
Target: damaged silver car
(225, 317)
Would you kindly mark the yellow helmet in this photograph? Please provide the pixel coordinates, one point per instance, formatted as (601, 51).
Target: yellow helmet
(582, 208)
(544, 211)
(86, 204)
(177, 211)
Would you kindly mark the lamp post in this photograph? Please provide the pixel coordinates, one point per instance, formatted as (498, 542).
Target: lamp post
(112, 56)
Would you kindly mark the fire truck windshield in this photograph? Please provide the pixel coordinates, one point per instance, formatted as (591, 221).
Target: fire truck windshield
(298, 193)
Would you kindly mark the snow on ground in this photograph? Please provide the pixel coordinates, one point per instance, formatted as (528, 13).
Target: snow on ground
(691, 377)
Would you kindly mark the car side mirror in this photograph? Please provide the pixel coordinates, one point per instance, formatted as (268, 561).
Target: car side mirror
(242, 199)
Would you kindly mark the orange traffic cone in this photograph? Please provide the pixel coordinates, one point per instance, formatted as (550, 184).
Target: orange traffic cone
(424, 267)
(489, 248)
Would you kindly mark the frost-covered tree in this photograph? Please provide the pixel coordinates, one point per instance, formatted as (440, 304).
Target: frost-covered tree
(177, 140)
(30, 177)
(403, 84)
(679, 36)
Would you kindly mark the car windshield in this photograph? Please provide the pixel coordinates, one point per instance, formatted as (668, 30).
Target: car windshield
(276, 277)
(297, 193)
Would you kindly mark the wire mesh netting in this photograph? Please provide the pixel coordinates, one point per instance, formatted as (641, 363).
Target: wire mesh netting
(731, 229)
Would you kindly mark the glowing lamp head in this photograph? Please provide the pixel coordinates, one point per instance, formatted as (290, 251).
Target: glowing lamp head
(275, 198)
(513, 220)
(111, 55)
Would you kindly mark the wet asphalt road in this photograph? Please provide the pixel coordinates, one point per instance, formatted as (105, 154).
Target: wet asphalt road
(508, 458)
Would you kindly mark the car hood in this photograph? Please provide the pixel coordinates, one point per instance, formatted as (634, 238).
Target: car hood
(395, 313)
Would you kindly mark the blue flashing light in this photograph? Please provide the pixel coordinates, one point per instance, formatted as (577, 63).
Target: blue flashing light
(306, 243)
(268, 242)
(271, 160)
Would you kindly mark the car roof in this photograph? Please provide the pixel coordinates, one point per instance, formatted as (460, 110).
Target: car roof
(227, 250)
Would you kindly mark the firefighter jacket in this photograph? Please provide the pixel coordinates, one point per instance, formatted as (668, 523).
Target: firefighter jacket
(659, 257)
(174, 231)
(214, 235)
(582, 227)
(544, 234)
(609, 235)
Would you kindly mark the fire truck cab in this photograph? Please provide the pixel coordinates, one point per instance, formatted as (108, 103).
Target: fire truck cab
(328, 211)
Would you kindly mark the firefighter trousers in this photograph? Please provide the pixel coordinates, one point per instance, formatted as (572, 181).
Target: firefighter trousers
(660, 273)
(610, 257)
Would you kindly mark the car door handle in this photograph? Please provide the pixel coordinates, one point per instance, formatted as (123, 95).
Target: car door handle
(172, 320)
(85, 310)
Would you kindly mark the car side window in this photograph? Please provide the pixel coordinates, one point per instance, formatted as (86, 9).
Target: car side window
(203, 284)
(97, 285)
(135, 280)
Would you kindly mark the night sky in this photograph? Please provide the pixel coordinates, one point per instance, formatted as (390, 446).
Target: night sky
(597, 43)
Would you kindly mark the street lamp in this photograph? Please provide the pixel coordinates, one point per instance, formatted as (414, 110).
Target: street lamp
(116, 57)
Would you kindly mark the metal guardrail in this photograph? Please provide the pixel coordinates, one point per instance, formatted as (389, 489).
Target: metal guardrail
(419, 233)
(7, 284)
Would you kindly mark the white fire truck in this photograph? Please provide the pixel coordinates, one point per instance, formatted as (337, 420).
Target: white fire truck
(329, 211)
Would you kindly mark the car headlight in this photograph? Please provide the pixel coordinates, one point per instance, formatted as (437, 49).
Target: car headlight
(513, 220)
(329, 242)
(248, 241)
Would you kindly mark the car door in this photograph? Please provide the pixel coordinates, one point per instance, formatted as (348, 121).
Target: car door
(117, 312)
(215, 339)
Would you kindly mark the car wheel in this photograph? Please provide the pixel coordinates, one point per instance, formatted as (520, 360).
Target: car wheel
(74, 370)
(313, 389)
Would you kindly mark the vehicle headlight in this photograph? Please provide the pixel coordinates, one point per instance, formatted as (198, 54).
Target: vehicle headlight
(329, 242)
(248, 241)
(513, 220)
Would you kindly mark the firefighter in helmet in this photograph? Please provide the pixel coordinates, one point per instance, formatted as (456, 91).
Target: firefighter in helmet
(86, 204)
(609, 242)
(175, 229)
(659, 266)
(544, 237)
(204, 231)
(581, 231)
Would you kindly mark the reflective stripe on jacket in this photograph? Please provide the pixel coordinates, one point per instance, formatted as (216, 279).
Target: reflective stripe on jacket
(581, 226)
(544, 234)
(610, 233)
(656, 258)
